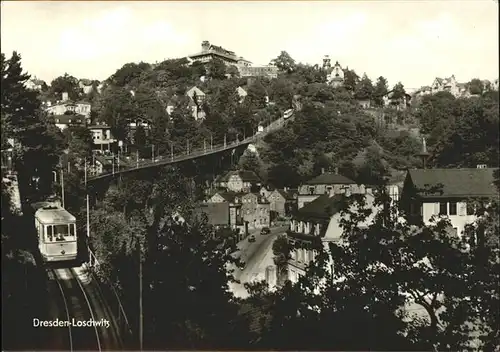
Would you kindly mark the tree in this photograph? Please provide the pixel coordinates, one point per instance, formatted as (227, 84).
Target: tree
(184, 127)
(351, 80)
(233, 71)
(129, 73)
(470, 136)
(476, 86)
(380, 273)
(398, 91)
(256, 95)
(381, 89)
(140, 138)
(39, 151)
(364, 89)
(117, 108)
(250, 161)
(216, 69)
(66, 84)
(140, 219)
(284, 62)
(80, 144)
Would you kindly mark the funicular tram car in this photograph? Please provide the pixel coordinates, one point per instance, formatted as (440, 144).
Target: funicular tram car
(56, 228)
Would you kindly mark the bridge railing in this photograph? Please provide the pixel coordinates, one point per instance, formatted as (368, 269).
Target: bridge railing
(166, 159)
(113, 301)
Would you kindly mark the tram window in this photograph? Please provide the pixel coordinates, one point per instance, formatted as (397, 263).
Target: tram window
(49, 232)
(72, 230)
(60, 231)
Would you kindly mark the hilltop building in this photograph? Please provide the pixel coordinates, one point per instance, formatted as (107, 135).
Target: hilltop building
(335, 74)
(211, 52)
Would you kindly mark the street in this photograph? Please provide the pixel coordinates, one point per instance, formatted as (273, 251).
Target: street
(257, 256)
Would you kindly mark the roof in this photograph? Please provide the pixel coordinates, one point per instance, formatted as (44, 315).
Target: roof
(99, 127)
(241, 92)
(322, 207)
(454, 182)
(104, 160)
(330, 178)
(229, 196)
(194, 90)
(439, 80)
(285, 194)
(85, 81)
(246, 176)
(217, 213)
(54, 215)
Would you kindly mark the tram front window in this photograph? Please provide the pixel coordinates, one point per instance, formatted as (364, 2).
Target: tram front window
(61, 232)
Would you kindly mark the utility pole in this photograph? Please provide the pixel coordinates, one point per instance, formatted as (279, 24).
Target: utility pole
(62, 187)
(87, 203)
(140, 295)
(204, 147)
(113, 164)
(152, 152)
(211, 142)
(224, 140)
(187, 147)
(137, 158)
(171, 152)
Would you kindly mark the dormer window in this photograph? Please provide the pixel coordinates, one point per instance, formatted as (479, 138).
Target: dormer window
(311, 190)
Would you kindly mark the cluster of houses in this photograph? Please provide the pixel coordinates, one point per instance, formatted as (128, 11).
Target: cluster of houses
(423, 194)
(450, 84)
(335, 78)
(239, 200)
(66, 113)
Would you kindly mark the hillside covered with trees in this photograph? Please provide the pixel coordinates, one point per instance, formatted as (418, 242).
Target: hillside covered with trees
(187, 303)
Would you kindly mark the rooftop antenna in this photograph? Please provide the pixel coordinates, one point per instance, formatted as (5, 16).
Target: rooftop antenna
(423, 154)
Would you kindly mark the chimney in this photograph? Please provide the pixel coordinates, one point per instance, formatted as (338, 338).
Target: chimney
(336, 171)
(322, 170)
(65, 96)
(205, 45)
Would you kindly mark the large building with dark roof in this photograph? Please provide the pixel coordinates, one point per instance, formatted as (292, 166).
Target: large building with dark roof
(447, 192)
(327, 183)
(319, 220)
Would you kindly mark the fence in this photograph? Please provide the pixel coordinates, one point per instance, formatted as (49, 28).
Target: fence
(165, 160)
(113, 302)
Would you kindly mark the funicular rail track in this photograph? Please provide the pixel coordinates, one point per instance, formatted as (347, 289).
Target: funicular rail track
(83, 335)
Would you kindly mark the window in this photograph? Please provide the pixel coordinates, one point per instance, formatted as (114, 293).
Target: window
(453, 208)
(443, 208)
(311, 190)
(48, 232)
(470, 208)
(72, 230)
(328, 190)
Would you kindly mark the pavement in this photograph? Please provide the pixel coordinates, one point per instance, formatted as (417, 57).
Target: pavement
(257, 256)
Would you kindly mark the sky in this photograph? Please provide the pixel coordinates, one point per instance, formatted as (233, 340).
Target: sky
(408, 41)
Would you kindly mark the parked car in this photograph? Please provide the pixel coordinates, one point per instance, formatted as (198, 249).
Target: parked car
(251, 238)
(265, 231)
